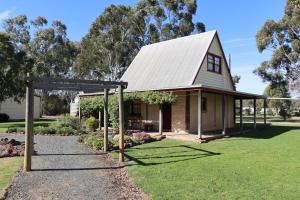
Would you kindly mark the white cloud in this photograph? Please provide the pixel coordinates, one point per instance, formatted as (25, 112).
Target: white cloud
(5, 14)
(238, 40)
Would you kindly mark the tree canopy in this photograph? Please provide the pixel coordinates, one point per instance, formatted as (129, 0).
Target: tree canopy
(13, 67)
(282, 37)
(120, 31)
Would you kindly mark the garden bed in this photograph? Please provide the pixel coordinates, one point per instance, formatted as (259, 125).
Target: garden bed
(131, 138)
(11, 148)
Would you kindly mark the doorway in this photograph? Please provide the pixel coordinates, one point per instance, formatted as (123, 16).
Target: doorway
(167, 117)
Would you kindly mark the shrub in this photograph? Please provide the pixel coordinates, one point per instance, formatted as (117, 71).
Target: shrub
(4, 117)
(142, 137)
(65, 131)
(66, 121)
(44, 130)
(91, 123)
(93, 142)
(15, 130)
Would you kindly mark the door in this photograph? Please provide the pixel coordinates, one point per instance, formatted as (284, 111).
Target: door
(167, 117)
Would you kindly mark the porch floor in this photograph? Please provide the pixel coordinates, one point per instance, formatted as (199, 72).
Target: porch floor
(194, 137)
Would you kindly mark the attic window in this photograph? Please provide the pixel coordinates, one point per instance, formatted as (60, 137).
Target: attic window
(214, 63)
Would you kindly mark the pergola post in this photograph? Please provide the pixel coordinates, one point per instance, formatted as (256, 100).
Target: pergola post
(254, 113)
(105, 139)
(29, 143)
(265, 112)
(121, 124)
(224, 114)
(79, 112)
(160, 126)
(199, 114)
(100, 120)
(241, 114)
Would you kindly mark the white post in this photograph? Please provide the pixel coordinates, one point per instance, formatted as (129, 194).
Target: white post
(254, 114)
(160, 127)
(265, 112)
(199, 114)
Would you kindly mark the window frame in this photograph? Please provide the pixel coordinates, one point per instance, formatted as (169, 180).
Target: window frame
(214, 63)
(132, 109)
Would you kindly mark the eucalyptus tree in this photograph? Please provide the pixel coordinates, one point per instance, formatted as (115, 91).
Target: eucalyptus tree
(13, 66)
(48, 46)
(282, 38)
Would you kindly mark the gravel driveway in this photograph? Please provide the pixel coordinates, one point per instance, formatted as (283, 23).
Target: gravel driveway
(65, 169)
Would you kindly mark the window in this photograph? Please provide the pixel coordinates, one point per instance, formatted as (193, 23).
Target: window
(213, 63)
(135, 108)
(204, 104)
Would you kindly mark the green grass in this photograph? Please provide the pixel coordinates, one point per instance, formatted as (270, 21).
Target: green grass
(262, 164)
(8, 168)
(20, 124)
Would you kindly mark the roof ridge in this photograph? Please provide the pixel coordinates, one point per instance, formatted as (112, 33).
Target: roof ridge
(183, 37)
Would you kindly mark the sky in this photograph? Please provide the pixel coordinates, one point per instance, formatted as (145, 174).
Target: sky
(236, 21)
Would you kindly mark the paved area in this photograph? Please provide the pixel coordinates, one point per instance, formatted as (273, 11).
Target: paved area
(65, 169)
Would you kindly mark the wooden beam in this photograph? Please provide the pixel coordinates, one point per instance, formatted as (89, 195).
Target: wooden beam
(29, 143)
(105, 135)
(199, 114)
(241, 114)
(71, 87)
(224, 119)
(161, 121)
(121, 124)
(254, 114)
(265, 112)
(76, 81)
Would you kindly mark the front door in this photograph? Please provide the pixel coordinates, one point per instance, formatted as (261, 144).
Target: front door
(167, 117)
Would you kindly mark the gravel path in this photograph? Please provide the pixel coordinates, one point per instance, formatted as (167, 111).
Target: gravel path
(65, 169)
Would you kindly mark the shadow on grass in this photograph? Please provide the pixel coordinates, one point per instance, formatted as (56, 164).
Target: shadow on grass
(164, 158)
(268, 132)
(70, 154)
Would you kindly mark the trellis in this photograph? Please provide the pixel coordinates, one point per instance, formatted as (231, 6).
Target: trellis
(46, 83)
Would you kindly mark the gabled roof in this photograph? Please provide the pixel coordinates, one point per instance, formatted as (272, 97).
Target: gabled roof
(168, 64)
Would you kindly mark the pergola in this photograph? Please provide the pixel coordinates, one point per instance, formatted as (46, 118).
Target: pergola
(33, 83)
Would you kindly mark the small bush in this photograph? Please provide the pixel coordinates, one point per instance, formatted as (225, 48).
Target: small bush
(91, 123)
(4, 117)
(66, 121)
(15, 130)
(65, 131)
(44, 130)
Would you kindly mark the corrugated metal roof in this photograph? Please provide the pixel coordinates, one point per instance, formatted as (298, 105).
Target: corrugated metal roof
(168, 64)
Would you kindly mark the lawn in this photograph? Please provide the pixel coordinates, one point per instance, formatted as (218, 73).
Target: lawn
(263, 164)
(8, 168)
(5, 125)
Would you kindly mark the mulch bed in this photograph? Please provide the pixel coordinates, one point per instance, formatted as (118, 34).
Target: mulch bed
(11, 148)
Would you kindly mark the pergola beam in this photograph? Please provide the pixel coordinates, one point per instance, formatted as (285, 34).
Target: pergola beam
(71, 87)
(75, 81)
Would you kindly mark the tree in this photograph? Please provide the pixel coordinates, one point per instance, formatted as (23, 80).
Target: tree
(49, 48)
(111, 44)
(13, 66)
(283, 39)
(120, 31)
(236, 79)
(169, 19)
(281, 107)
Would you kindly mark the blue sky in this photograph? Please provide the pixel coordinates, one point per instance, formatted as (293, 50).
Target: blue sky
(236, 21)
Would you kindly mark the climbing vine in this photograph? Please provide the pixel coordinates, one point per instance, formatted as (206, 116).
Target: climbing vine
(91, 106)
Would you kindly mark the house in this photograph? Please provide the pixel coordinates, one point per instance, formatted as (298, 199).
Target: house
(194, 68)
(16, 110)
